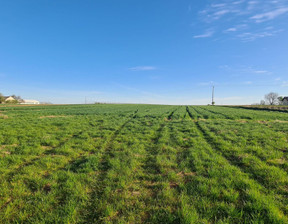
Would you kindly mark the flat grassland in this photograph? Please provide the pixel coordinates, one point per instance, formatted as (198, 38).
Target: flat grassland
(143, 164)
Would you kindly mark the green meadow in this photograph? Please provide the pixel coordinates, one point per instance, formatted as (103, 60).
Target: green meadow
(143, 164)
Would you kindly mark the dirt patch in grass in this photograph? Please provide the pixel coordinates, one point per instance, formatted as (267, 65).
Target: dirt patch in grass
(275, 121)
(262, 122)
(3, 116)
(97, 138)
(5, 146)
(46, 147)
(139, 156)
(47, 188)
(135, 193)
(242, 121)
(151, 183)
(243, 156)
(277, 161)
(173, 185)
(183, 174)
(53, 116)
(280, 121)
(4, 153)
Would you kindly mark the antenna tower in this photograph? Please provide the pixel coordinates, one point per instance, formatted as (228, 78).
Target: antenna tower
(213, 102)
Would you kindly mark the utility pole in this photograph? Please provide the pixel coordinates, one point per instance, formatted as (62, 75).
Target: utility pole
(213, 102)
(85, 100)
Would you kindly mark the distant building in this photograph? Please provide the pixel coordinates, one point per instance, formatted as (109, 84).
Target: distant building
(285, 100)
(9, 98)
(30, 102)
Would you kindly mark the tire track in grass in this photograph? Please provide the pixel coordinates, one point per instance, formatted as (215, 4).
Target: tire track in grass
(217, 113)
(260, 109)
(41, 173)
(192, 163)
(107, 147)
(250, 188)
(208, 114)
(33, 190)
(202, 114)
(66, 198)
(79, 163)
(152, 180)
(161, 176)
(41, 155)
(250, 115)
(270, 151)
(158, 178)
(48, 152)
(141, 194)
(97, 210)
(254, 167)
(45, 154)
(170, 116)
(234, 160)
(237, 156)
(185, 115)
(71, 160)
(182, 174)
(104, 166)
(191, 115)
(30, 162)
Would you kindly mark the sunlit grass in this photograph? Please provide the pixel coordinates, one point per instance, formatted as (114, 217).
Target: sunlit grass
(143, 164)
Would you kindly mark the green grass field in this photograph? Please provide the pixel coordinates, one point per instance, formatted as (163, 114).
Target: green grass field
(143, 164)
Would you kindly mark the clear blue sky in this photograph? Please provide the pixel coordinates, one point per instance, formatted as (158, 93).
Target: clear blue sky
(144, 51)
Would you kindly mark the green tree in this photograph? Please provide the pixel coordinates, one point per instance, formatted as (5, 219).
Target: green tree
(2, 99)
(280, 100)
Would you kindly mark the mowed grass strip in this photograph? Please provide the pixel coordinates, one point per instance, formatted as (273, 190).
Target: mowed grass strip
(253, 194)
(254, 138)
(271, 177)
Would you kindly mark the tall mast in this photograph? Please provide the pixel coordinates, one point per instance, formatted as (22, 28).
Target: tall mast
(213, 95)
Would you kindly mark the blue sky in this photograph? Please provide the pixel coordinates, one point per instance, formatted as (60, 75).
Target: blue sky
(144, 51)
